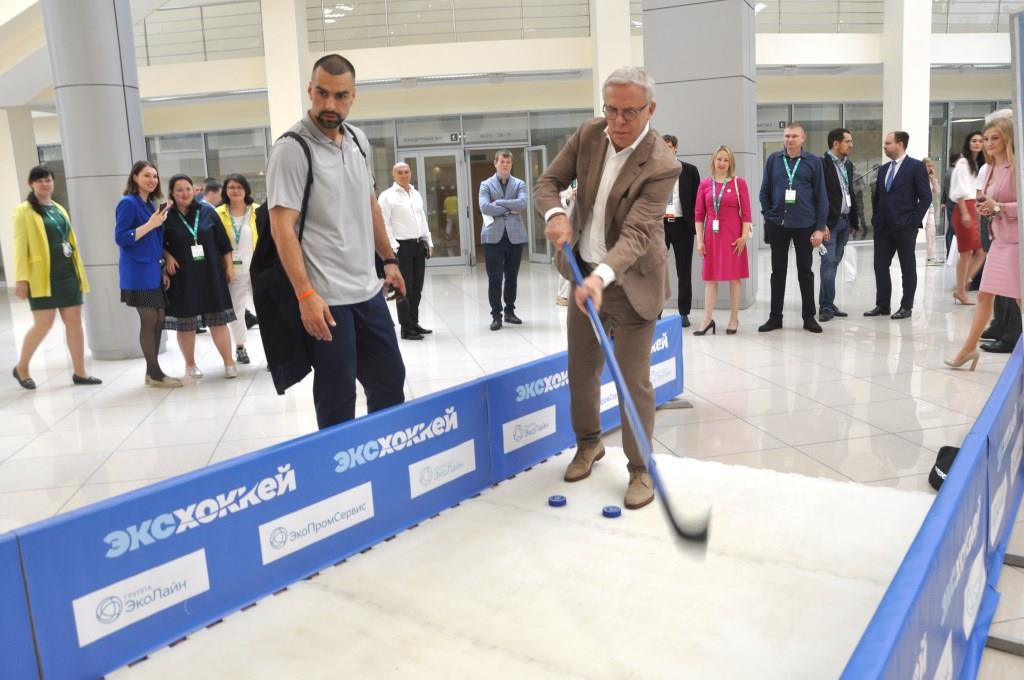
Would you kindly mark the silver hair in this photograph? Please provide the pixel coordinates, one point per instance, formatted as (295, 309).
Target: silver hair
(1001, 113)
(399, 164)
(631, 75)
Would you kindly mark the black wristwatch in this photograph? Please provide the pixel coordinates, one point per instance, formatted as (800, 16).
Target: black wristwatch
(391, 260)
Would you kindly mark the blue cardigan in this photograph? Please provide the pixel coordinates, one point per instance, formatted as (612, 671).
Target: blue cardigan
(139, 266)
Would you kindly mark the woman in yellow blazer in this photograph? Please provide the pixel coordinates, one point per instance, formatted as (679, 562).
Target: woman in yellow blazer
(50, 274)
(238, 214)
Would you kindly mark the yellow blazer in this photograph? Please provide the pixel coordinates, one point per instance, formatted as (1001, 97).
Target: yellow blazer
(225, 218)
(32, 251)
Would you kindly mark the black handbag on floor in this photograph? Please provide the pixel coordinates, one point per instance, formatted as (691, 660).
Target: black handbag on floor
(287, 345)
(943, 462)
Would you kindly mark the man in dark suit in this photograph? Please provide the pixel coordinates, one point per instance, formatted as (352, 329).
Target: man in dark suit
(1004, 331)
(625, 176)
(901, 199)
(679, 231)
(842, 217)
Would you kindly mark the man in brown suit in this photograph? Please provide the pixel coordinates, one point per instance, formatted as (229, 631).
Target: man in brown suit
(625, 174)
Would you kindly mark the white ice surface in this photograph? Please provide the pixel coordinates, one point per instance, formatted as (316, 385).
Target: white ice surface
(504, 586)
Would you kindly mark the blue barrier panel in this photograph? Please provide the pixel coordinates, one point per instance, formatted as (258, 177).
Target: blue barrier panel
(528, 406)
(17, 651)
(933, 619)
(113, 581)
(1000, 423)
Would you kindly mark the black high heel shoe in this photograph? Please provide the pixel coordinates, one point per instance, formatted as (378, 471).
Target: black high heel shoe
(731, 331)
(709, 327)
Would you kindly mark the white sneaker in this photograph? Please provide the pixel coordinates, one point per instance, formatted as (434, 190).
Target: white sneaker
(230, 372)
(195, 373)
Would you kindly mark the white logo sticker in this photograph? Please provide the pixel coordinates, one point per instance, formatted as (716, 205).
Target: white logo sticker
(119, 605)
(439, 469)
(663, 372)
(296, 530)
(944, 669)
(995, 511)
(527, 429)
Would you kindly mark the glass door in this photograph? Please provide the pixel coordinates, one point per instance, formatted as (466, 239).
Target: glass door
(767, 144)
(437, 176)
(536, 163)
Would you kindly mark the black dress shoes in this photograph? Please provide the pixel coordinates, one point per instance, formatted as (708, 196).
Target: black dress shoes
(496, 324)
(513, 319)
(27, 383)
(878, 311)
(902, 313)
(421, 330)
(826, 316)
(87, 380)
(811, 325)
(686, 321)
(838, 312)
(990, 334)
(411, 335)
(772, 324)
(997, 347)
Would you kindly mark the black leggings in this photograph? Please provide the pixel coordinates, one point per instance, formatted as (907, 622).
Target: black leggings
(151, 327)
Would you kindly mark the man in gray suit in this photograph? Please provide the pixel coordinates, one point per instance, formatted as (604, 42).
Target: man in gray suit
(502, 202)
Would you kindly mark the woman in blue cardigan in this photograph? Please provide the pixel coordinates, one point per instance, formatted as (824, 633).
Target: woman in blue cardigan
(139, 234)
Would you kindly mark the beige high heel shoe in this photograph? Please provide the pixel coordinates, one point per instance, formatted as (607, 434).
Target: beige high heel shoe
(971, 356)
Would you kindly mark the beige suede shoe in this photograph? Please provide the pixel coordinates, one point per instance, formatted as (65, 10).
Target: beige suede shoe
(581, 463)
(641, 489)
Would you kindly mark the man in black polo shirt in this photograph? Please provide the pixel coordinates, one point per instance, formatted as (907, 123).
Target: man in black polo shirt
(795, 206)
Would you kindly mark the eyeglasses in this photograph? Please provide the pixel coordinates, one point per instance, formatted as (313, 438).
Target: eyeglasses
(628, 115)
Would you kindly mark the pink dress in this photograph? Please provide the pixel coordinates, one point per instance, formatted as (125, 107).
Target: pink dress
(720, 263)
(1001, 275)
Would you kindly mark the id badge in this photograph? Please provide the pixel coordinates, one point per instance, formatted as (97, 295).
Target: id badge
(790, 195)
(846, 201)
(236, 258)
(198, 253)
(714, 226)
(65, 248)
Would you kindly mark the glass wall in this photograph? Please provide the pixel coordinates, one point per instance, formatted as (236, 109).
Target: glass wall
(381, 134)
(864, 121)
(381, 23)
(973, 16)
(553, 129)
(239, 152)
(177, 154)
(199, 30)
(818, 120)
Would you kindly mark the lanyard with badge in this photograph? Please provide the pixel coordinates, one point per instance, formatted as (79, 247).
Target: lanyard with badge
(791, 174)
(716, 201)
(198, 254)
(236, 256)
(845, 177)
(63, 229)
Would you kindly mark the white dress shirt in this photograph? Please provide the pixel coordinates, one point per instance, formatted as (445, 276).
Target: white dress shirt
(592, 245)
(963, 185)
(404, 216)
(676, 205)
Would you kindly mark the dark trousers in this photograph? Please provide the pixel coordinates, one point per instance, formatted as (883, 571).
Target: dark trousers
(363, 347)
(502, 260)
(779, 239)
(412, 262)
(950, 207)
(1006, 321)
(901, 244)
(679, 237)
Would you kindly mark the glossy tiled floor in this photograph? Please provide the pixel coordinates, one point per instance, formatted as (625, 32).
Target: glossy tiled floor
(868, 400)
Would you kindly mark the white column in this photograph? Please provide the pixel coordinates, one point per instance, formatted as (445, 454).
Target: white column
(285, 54)
(906, 71)
(611, 40)
(18, 155)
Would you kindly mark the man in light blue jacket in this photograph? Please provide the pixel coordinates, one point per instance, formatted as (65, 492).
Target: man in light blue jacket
(503, 203)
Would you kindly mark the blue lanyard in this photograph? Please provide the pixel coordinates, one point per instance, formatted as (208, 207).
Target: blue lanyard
(791, 174)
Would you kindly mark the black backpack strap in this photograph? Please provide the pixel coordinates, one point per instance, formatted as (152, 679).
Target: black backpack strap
(348, 128)
(309, 177)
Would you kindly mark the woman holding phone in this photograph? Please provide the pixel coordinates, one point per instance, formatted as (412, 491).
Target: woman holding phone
(139, 233)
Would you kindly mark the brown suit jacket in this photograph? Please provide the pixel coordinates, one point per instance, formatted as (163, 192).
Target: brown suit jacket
(634, 231)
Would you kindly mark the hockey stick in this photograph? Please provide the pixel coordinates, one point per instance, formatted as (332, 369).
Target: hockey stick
(696, 529)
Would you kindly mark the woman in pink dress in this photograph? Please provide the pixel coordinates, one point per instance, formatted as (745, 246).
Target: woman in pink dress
(1002, 266)
(722, 219)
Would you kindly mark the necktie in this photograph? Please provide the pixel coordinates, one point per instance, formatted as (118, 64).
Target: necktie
(890, 175)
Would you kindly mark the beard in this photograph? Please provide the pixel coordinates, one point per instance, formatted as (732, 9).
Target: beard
(330, 120)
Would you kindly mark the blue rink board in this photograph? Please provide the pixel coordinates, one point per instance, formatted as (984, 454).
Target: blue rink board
(111, 582)
(934, 617)
(17, 655)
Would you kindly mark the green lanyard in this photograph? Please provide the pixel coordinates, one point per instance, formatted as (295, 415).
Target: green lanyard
(841, 166)
(791, 174)
(237, 226)
(194, 228)
(60, 225)
(716, 198)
